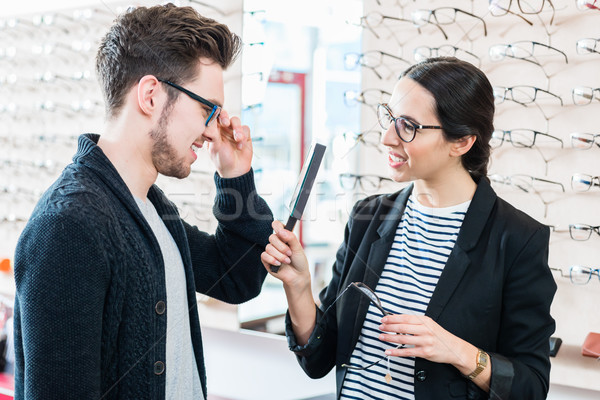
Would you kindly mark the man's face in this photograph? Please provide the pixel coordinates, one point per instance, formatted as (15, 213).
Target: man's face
(181, 130)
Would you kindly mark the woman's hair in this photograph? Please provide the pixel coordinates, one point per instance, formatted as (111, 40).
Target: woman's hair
(464, 105)
(164, 41)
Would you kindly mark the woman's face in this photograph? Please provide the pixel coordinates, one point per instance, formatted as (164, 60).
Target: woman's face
(427, 157)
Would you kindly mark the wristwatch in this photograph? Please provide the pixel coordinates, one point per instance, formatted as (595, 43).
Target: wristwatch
(482, 362)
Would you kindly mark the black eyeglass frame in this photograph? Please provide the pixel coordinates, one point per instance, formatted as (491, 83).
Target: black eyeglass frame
(507, 10)
(359, 179)
(521, 145)
(370, 294)
(509, 180)
(215, 109)
(583, 228)
(435, 51)
(437, 23)
(534, 97)
(395, 120)
(533, 44)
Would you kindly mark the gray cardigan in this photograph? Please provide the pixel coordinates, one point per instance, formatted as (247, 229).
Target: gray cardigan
(90, 319)
(495, 292)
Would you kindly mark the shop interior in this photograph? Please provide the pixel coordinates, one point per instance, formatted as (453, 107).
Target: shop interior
(314, 71)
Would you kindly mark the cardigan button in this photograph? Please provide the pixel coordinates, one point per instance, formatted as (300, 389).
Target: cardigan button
(160, 307)
(421, 375)
(159, 367)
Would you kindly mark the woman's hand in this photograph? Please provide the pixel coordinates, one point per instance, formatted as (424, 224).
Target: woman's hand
(426, 339)
(284, 250)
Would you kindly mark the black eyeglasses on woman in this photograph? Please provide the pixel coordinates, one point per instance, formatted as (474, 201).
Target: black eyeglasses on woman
(405, 129)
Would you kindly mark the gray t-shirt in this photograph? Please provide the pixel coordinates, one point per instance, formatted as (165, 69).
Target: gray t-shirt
(182, 379)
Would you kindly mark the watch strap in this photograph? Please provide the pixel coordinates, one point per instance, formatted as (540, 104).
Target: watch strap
(482, 362)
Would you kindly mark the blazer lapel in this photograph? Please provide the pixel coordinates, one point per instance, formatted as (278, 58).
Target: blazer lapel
(380, 248)
(458, 262)
(390, 216)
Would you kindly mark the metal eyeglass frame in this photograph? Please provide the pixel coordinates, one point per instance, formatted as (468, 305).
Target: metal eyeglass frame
(493, 5)
(417, 18)
(360, 179)
(366, 21)
(516, 143)
(587, 180)
(578, 269)
(509, 180)
(405, 124)
(583, 228)
(215, 109)
(587, 5)
(588, 139)
(435, 51)
(587, 46)
(510, 90)
(360, 60)
(585, 92)
(364, 97)
(357, 138)
(519, 46)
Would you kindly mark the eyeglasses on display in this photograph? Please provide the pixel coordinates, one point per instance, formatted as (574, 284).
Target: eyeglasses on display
(405, 129)
(521, 50)
(398, 3)
(214, 110)
(522, 94)
(526, 183)
(374, 19)
(579, 275)
(499, 8)
(583, 95)
(423, 52)
(520, 138)
(374, 60)
(584, 141)
(584, 182)
(582, 232)
(368, 138)
(367, 182)
(588, 4)
(369, 97)
(442, 16)
(587, 46)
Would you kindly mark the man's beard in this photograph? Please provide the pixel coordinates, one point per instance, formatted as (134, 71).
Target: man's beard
(164, 156)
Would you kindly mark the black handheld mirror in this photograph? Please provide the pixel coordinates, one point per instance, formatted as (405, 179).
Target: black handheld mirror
(305, 183)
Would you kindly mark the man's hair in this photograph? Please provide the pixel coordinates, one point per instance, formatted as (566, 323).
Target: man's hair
(165, 41)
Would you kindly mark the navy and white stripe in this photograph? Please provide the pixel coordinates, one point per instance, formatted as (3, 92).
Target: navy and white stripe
(424, 239)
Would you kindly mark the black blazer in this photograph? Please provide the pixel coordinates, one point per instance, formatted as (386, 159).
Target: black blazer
(495, 292)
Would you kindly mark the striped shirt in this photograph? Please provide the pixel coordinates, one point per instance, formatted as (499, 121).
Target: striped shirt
(424, 239)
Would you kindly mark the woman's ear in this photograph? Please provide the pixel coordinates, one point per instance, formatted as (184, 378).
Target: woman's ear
(147, 90)
(462, 145)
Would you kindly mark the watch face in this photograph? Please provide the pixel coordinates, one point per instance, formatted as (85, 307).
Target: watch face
(483, 358)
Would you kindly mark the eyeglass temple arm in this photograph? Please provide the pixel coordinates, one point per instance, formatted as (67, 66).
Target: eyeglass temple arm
(475, 16)
(552, 48)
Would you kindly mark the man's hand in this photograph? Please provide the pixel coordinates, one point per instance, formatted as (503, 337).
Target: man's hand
(231, 150)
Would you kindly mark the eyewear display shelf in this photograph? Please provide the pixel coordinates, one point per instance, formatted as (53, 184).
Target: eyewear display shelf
(570, 368)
